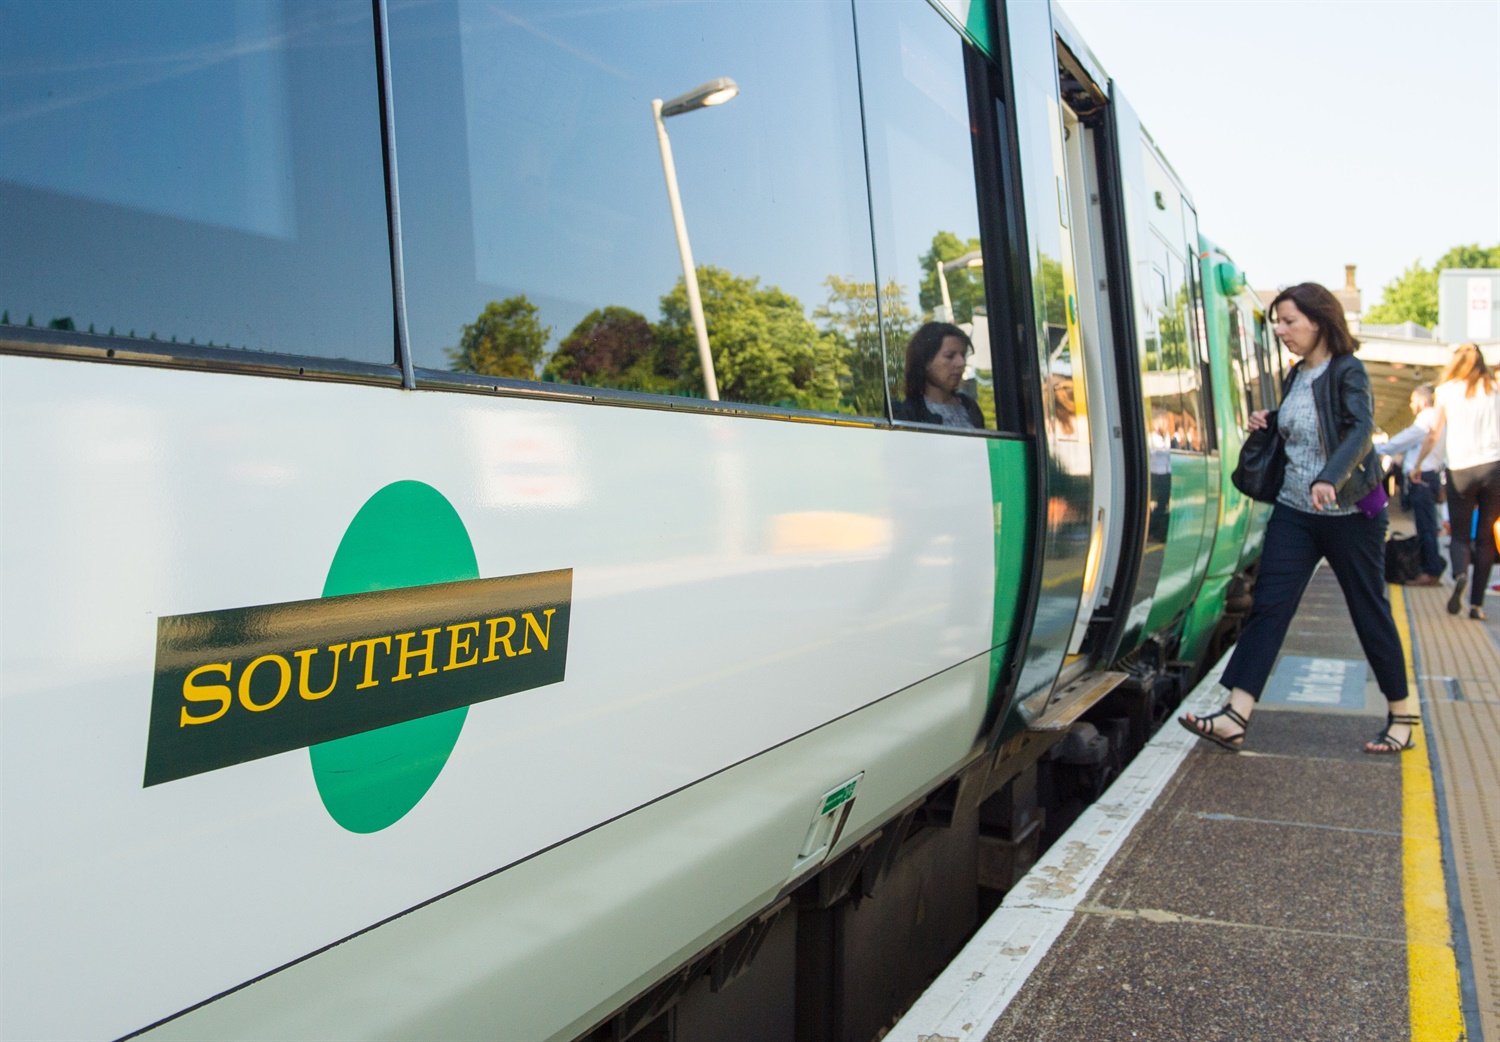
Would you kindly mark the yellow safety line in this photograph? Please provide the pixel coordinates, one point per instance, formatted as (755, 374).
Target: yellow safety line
(1432, 970)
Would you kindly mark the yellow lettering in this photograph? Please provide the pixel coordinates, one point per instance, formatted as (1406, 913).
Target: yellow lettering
(533, 627)
(369, 646)
(304, 667)
(496, 639)
(457, 644)
(283, 687)
(425, 654)
(206, 693)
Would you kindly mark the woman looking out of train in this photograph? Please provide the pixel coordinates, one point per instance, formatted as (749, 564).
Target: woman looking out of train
(1467, 404)
(1326, 421)
(935, 360)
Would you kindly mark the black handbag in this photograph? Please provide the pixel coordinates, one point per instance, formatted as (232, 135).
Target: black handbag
(1262, 466)
(1403, 559)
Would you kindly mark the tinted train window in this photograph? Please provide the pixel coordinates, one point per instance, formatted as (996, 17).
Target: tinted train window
(538, 236)
(1171, 377)
(926, 216)
(203, 173)
(1208, 439)
(1241, 387)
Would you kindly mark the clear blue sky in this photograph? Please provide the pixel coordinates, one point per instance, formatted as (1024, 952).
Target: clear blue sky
(1315, 134)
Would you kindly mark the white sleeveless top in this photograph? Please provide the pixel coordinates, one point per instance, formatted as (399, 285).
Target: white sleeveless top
(1473, 426)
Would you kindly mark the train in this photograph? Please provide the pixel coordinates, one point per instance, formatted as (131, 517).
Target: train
(455, 588)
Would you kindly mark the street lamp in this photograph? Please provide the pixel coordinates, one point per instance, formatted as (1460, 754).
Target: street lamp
(972, 259)
(714, 92)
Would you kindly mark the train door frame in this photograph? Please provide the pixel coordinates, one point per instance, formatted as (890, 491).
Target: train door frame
(1112, 617)
(1082, 103)
(1087, 89)
(1002, 229)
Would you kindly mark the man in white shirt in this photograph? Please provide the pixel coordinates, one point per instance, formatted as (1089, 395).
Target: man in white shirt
(1424, 483)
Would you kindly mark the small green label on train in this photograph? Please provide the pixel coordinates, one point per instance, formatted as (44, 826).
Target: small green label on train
(243, 683)
(840, 796)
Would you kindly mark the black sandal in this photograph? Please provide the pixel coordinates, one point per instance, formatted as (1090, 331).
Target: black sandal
(1203, 727)
(1384, 743)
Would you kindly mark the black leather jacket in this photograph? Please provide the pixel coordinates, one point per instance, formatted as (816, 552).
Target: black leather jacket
(1346, 422)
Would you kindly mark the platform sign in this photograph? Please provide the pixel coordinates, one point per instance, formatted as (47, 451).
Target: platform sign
(1300, 680)
(1480, 324)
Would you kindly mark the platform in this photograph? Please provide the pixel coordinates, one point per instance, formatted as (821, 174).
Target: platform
(1300, 890)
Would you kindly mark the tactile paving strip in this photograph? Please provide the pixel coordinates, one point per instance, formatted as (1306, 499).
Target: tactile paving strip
(1465, 727)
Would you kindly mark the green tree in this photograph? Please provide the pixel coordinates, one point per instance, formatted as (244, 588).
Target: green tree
(852, 316)
(613, 347)
(1410, 297)
(765, 350)
(505, 340)
(965, 285)
(1413, 295)
(1471, 256)
(1054, 303)
(1174, 340)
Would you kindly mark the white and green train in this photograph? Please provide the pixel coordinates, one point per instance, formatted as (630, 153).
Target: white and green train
(435, 605)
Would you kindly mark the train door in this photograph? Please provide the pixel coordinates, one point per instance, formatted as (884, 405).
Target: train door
(1095, 385)
(1067, 454)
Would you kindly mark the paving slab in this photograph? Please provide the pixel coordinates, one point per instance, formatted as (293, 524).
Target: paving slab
(1122, 978)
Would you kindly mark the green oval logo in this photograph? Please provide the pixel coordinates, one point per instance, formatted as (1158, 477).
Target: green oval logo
(406, 534)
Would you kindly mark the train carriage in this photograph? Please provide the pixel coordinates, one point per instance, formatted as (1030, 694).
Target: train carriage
(453, 587)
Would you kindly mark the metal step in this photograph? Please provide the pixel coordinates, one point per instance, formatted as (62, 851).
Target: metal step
(1069, 703)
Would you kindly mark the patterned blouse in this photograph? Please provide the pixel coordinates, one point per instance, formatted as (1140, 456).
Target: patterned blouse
(1305, 458)
(953, 414)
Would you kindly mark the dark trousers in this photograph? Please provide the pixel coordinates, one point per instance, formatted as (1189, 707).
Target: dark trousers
(1424, 492)
(1354, 546)
(1460, 521)
(1477, 489)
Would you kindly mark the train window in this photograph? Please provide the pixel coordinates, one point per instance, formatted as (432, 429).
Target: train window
(1246, 356)
(201, 173)
(1177, 355)
(539, 240)
(1208, 433)
(1241, 388)
(1160, 384)
(927, 240)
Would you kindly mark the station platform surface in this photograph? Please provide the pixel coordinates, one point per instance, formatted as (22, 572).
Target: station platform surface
(1301, 889)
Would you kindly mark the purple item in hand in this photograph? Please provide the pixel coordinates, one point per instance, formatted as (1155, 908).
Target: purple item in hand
(1373, 503)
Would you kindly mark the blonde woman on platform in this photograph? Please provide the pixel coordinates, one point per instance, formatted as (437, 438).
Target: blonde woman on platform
(1468, 411)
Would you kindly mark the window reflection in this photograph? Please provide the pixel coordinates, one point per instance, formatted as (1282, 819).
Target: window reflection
(538, 236)
(196, 173)
(926, 214)
(1242, 387)
(1171, 377)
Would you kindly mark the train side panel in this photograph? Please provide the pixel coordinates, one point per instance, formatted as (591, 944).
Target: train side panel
(735, 585)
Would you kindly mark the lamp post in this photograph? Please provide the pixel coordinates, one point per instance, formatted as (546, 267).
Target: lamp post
(714, 92)
(972, 259)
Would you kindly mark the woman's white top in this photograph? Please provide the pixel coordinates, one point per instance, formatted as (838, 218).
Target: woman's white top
(1473, 426)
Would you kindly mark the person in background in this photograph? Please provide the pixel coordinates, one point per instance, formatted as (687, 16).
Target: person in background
(1468, 412)
(936, 357)
(1327, 421)
(1424, 484)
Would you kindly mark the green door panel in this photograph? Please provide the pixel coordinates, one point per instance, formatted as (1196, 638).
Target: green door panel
(1181, 557)
(1203, 617)
(1010, 493)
